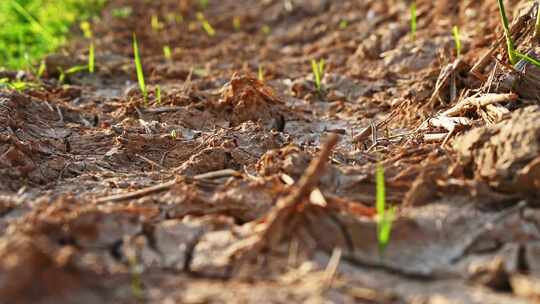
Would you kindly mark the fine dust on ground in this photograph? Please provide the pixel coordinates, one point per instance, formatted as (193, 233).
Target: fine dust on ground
(235, 189)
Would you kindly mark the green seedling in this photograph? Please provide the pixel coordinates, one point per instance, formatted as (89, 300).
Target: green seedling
(167, 53)
(343, 24)
(136, 271)
(158, 95)
(537, 25)
(412, 11)
(385, 216)
(318, 73)
(156, 24)
(509, 42)
(86, 29)
(71, 71)
(203, 4)
(206, 25)
(174, 136)
(527, 58)
(122, 12)
(200, 72)
(41, 69)
(260, 73)
(457, 40)
(237, 23)
(91, 58)
(266, 29)
(139, 68)
(87, 32)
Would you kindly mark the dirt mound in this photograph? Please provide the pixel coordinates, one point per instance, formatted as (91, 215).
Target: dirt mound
(506, 155)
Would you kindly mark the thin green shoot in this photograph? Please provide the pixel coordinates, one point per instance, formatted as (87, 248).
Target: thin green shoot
(266, 29)
(136, 277)
(206, 25)
(167, 53)
(91, 58)
(158, 95)
(87, 33)
(318, 73)
(385, 216)
(457, 40)
(122, 12)
(41, 69)
(260, 73)
(174, 136)
(527, 58)
(155, 23)
(537, 25)
(18, 85)
(73, 70)
(509, 42)
(203, 4)
(200, 72)
(86, 29)
(343, 24)
(237, 23)
(413, 17)
(139, 68)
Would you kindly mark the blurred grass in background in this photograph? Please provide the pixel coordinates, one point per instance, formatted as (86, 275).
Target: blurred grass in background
(30, 29)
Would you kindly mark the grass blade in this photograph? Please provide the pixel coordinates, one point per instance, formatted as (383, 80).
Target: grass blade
(381, 191)
(139, 68)
(457, 40)
(413, 20)
(91, 58)
(167, 52)
(509, 42)
(527, 58)
(260, 73)
(384, 217)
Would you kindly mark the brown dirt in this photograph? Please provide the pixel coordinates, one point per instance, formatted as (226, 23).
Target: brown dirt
(100, 203)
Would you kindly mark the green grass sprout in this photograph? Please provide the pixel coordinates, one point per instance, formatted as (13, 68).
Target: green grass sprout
(203, 4)
(158, 95)
(71, 71)
(86, 29)
(237, 23)
(527, 58)
(318, 73)
(260, 73)
(206, 25)
(167, 53)
(174, 136)
(41, 69)
(385, 216)
(343, 24)
(412, 11)
(155, 23)
(87, 33)
(139, 68)
(266, 29)
(92, 58)
(457, 40)
(122, 12)
(537, 24)
(509, 42)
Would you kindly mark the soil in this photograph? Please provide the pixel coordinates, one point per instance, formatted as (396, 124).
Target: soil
(234, 189)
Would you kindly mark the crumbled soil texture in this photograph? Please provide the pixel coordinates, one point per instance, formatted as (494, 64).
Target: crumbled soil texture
(233, 189)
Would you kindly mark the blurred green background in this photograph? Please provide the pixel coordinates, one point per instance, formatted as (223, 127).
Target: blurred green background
(33, 28)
